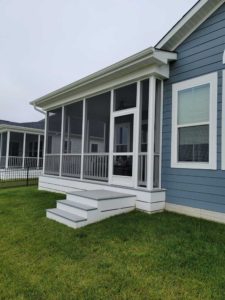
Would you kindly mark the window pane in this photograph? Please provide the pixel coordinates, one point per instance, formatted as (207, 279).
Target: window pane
(125, 97)
(194, 144)
(122, 165)
(193, 105)
(123, 140)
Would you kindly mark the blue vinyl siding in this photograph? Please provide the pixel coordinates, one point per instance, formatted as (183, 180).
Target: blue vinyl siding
(201, 53)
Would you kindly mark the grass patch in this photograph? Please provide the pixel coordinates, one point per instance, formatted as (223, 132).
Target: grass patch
(18, 182)
(132, 256)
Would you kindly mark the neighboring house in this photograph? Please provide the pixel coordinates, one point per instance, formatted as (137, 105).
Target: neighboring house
(21, 144)
(162, 112)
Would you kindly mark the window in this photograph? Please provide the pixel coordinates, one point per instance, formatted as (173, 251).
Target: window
(194, 116)
(94, 148)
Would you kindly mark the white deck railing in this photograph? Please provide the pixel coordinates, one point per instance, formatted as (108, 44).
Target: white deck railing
(52, 162)
(96, 166)
(30, 162)
(15, 162)
(71, 165)
(19, 162)
(142, 169)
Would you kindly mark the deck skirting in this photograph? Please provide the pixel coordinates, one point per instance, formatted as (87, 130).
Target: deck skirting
(148, 201)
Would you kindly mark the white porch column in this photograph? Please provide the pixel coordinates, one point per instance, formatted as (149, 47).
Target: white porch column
(83, 140)
(7, 150)
(151, 129)
(45, 141)
(136, 136)
(111, 138)
(38, 151)
(61, 144)
(24, 149)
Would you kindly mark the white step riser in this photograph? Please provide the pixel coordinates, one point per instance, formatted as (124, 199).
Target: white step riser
(111, 213)
(77, 211)
(104, 204)
(150, 207)
(117, 203)
(86, 201)
(94, 219)
(65, 221)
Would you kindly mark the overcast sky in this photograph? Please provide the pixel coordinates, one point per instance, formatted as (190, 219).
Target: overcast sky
(46, 44)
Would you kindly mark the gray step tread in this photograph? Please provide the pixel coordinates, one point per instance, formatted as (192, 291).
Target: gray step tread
(77, 205)
(100, 195)
(66, 215)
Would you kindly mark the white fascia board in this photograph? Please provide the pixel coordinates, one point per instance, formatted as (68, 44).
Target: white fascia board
(21, 129)
(184, 20)
(161, 72)
(150, 56)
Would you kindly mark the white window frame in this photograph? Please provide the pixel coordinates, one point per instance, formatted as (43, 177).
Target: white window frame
(211, 79)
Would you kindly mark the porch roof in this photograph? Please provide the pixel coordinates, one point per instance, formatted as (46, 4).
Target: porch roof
(22, 129)
(141, 60)
(188, 24)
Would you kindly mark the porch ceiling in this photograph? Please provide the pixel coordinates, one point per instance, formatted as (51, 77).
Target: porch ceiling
(149, 61)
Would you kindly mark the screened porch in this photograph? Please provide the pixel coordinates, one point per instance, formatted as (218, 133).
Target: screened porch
(21, 150)
(113, 137)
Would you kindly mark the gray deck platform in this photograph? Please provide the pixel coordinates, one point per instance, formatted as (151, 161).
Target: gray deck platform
(100, 195)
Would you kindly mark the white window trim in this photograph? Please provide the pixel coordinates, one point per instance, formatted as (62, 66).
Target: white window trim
(212, 79)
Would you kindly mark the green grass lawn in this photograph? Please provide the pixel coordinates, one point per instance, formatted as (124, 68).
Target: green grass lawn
(133, 256)
(18, 183)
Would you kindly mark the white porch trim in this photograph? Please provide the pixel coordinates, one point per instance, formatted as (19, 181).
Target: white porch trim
(24, 149)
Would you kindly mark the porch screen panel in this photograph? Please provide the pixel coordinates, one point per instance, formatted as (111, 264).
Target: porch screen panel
(157, 135)
(15, 150)
(53, 142)
(72, 140)
(3, 150)
(31, 151)
(41, 151)
(143, 144)
(96, 149)
(125, 97)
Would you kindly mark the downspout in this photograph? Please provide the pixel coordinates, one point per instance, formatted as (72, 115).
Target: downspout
(39, 110)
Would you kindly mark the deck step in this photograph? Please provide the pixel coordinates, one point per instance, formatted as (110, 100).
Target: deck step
(100, 195)
(77, 205)
(85, 207)
(64, 214)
